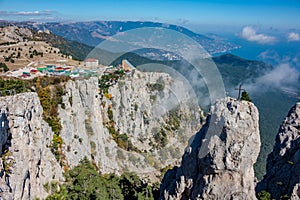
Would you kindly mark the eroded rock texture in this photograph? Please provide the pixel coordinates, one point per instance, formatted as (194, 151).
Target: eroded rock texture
(218, 164)
(283, 165)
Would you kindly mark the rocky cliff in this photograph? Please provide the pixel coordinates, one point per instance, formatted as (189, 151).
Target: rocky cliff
(26, 161)
(119, 131)
(282, 176)
(219, 166)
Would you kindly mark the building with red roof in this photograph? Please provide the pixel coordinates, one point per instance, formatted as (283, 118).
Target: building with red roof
(91, 62)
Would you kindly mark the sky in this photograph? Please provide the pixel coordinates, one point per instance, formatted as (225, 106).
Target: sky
(275, 13)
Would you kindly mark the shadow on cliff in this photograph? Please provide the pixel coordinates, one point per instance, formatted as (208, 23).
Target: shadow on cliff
(283, 163)
(6, 144)
(190, 159)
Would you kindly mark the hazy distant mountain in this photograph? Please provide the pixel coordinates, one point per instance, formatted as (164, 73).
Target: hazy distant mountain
(92, 33)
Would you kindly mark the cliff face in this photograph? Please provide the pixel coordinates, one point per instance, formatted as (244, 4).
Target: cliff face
(87, 120)
(26, 162)
(282, 176)
(116, 131)
(219, 167)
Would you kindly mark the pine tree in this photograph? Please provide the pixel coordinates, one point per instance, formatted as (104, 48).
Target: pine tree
(4, 66)
(245, 96)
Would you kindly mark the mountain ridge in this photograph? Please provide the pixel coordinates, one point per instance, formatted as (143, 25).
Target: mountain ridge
(92, 33)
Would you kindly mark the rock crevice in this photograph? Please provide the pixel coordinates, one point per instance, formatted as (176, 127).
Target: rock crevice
(28, 151)
(283, 163)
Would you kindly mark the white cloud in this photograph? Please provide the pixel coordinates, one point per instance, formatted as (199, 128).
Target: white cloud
(283, 76)
(274, 58)
(26, 13)
(38, 15)
(293, 36)
(249, 33)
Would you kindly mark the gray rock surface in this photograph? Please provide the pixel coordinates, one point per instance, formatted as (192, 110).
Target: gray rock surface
(134, 109)
(26, 163)
(283, 164)
(219, 167)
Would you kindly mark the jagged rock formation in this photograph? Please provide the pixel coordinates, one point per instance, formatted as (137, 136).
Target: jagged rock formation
(26, 161)
(130, 105)
(283, 164)
(219, 167)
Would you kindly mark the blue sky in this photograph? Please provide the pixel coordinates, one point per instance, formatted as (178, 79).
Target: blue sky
(275, 13)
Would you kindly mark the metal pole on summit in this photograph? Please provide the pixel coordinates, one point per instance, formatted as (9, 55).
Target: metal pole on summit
(239, 89)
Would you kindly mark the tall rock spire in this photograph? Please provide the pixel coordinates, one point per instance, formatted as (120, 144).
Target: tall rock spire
(282, 178)
(225, 169)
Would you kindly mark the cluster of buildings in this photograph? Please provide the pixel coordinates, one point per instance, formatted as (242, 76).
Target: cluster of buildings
(91, 68)
(51, 70)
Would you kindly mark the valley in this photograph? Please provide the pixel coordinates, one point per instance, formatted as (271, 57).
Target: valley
(126, 126)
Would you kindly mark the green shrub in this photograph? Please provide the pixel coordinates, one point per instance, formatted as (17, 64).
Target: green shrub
(84, 182)
(9, 86)
(105, 81)
(54, 123)
(4, 67)
(245, 96)
(7, 163)
(290, 162)
(56, 146)
(285, 197)
(112, 131)
(110, 114)
(161, 138)
(263, 195)
(173, 119)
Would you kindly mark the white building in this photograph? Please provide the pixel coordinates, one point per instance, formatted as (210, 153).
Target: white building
(127, 66)
(91, 62)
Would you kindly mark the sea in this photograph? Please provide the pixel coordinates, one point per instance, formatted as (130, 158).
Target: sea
(280, 52)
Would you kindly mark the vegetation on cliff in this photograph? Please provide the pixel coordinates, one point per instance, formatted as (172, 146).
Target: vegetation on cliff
(84, 182)
(245, 96)
(50, 91)
(12, 86)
